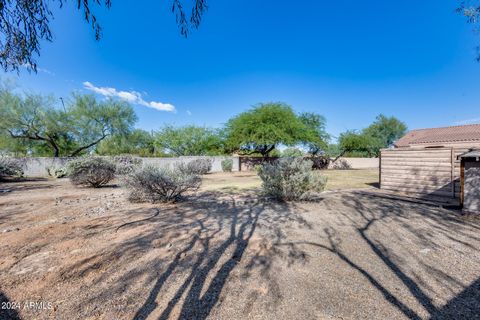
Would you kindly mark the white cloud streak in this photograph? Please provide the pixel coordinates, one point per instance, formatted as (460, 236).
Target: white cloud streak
(133, 97)
(468, 121)
(29, 66)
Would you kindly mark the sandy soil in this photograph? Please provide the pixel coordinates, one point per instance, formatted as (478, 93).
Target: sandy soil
(89, 254)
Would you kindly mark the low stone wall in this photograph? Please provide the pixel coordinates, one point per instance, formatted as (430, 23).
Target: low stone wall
(37, 167)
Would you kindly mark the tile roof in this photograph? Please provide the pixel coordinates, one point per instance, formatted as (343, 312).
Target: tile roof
(454, 134)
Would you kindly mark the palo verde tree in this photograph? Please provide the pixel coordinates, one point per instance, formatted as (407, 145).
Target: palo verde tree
(94, 121)
(188, 141)
(354, 141)
(261, 129)
(382, 133)
(68, 131)
(137, 142)
(25, 23)
(315, 135)
(386, 129)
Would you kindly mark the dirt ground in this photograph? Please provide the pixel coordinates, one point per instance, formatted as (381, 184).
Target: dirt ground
(78, 253)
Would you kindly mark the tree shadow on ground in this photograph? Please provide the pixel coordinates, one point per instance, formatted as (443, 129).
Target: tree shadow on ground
(23, 185)
(372, 211)
(466, 305)
(186, 254)
(202, 240)
(212, 266)
(441, 223)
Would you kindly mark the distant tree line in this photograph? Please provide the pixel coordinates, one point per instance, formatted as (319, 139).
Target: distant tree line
(34, 125)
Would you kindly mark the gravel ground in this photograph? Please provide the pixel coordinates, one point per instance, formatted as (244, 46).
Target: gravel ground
(74, 253)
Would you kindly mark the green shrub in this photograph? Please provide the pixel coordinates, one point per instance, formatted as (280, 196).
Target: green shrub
(227, 165)
(292, 152)
(91, 171)
(290, 179)
(57, 172)
(10, 167)
(155, 184)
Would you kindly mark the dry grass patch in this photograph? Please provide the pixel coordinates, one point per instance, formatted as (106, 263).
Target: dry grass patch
(231, 182)
(351, 179)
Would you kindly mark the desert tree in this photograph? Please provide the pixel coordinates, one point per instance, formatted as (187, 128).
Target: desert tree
(315, 135)
(68, 131)
(382, 133)
(262, 128)
(136, 142)
(386, 129)
(356, 141)
(188, 140)
(94, 121)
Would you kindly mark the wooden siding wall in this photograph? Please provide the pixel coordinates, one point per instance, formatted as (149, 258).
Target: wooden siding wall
(426, 173)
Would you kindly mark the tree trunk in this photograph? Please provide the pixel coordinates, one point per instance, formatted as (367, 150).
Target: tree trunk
(266, 151)
(77, 152)
(339, 156)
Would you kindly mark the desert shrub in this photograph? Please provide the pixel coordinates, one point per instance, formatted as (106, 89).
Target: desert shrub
(340, 164)
(290, 179)
(10, 167)
(155, 184)
(196, 167)
(227, 165)
(91, 171)
(126, 164)
(57, 172)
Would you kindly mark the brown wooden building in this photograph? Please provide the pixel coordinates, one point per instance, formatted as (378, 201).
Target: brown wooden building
(425, 163)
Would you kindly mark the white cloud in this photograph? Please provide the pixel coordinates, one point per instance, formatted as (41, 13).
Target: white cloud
(133, 97)
(189, 112)
(468, 121)
(29, 66)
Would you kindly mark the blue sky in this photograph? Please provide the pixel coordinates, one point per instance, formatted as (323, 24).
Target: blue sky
(347, 60)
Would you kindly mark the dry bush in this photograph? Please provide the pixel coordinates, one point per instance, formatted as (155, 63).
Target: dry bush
(227, 165)
(10, 167)
(198, 166)
(341, 164)
(155, 184)
(126, 164)
(290, 179)
(91, 171)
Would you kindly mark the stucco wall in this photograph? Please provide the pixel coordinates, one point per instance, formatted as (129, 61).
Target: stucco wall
(37, 167)
(356, 163)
